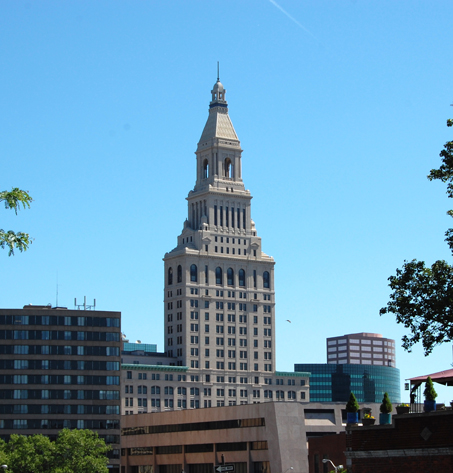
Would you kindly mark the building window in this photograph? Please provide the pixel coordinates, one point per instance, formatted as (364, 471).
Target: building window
(218, 276)
(179, 277)
(241, 278)
(230, 277)
(170, 276)
(266, 280)
(193, 273)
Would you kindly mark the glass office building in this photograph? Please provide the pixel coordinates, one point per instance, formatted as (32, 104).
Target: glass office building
(334, 383)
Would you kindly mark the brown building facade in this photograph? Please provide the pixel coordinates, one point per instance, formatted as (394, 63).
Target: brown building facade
(266, 437)
(414, 442)
(60, 368)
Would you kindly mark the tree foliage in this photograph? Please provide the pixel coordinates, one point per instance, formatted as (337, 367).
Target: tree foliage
(422, 297)
(74, 451)
(14, 199)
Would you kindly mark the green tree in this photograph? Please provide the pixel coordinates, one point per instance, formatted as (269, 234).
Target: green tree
(3, 456)
(80, 451)
(13, 200)
(34, 454)
(74, 451)
(422, 297)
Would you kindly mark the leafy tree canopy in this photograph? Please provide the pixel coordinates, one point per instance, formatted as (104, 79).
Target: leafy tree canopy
(74, 451)
(422, 297)
(13, 200)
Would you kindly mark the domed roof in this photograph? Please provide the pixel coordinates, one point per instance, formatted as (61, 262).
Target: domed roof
(218, 85)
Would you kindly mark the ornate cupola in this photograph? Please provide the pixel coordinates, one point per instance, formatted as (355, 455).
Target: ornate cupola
(218, 95)
(219, 150)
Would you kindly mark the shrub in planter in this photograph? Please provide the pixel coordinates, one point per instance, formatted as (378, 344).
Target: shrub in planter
(385, 408)
(352, 409)
(430, 396)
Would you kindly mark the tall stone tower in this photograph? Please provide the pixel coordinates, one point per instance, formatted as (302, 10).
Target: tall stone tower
(219, 285)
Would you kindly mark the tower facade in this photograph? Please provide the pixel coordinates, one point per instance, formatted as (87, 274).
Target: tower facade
(219, 284)
(219, 297)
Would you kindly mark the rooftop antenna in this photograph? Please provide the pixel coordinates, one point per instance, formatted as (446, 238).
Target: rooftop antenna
(56, 305)
(84, 306)
(218, 75)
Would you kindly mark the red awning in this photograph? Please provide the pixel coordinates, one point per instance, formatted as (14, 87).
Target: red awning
(442, 377)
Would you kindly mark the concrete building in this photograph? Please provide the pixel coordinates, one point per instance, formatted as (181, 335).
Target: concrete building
(156, 387)
(60, 369)
(361, 349)
(267, 437)
(219, 295)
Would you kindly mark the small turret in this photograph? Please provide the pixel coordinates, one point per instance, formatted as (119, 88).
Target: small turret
(218, 95)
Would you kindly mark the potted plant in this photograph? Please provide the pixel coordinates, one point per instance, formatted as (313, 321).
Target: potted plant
(403, 409)
(385, 416)
(368, 419)
(430, 396)
(352, 409)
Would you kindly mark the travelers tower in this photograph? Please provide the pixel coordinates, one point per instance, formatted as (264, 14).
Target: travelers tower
(219, 285)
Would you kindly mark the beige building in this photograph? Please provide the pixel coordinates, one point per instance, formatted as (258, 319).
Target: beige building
(254, 438)
(361, 349)
(219, 296)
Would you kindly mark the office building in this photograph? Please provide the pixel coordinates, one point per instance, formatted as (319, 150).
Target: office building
(60, 369)
(361, 349)
(334, 383)
(363, 363)
(219, 296)
(267, 437)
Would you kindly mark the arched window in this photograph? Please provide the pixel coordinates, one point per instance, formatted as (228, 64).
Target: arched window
(230, 277)
(170, 276)
(266, 280)
(179, 273)
(205, 169)
(228, 168)
(241, 278)
(218, 276)
(193, 273)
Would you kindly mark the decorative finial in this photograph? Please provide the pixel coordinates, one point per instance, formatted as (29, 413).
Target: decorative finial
(218, 75)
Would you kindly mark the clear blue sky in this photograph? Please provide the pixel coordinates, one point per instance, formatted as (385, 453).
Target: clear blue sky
(340, 108)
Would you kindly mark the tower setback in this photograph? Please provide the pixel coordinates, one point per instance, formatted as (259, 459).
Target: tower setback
(219, 298)
(219, 285)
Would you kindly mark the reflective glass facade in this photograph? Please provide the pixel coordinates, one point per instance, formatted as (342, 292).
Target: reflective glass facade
(333, 383)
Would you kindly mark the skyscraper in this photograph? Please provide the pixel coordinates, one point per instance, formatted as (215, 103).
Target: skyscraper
(219, 287)
(360, 362)
(219, 292)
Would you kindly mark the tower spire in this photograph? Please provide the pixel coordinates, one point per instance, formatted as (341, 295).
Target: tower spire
(218, 75)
